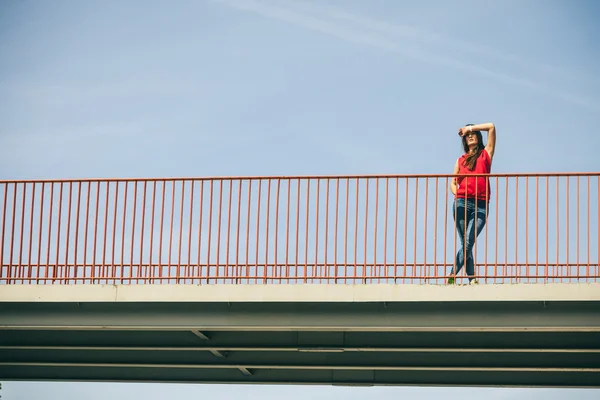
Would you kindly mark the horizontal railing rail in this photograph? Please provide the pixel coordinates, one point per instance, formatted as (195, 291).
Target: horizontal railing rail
(300, 229)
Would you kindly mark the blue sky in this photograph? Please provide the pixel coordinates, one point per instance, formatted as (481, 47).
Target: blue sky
(234, 87)
(245, 87)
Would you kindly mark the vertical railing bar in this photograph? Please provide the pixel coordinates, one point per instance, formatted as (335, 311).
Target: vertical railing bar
(87, 228)
(425, 269)
(356, 233)
(114, 234)
(375, 223)
(93, 267)
(455, 234)
(172, 218)
(151, 248)
(3, 237)
(12, 235)
(396, 231)
(527, 229)
(446, 206)
(464, 245)
(268, 212)
(476, 243)
(210, 213)
(30, 267)
(317, 228)
(276, 266)
(325, 265)
(578, 221)
(199, 266)
(16, 271)
(537, 231)
(188, 270)
(335, 235)
(161, 279)
(219, 213)
(306, 238)
(178, 272)
(375, 272)
(557, 225)
(248, 231)
(547, 225)
(414, 271)
(517, 269)
(345, 274)
(66, 269)
(598, 228)
(365, 228)
(77, 213)
(49, 232)
(160, 236)
(497, 228)
(237, 240)
(257, 231)
(567, 226)
(287, 231)
(487, 225)
(505, 271)
(435, 229)
(40, 230)
(297, 227)
(385, 229)
(405, 230)
(103, 269)
(56, 266)
(122, 260)
(374, 267)
(143, 272)
(134, 213)
(589, 221)
(20, 265)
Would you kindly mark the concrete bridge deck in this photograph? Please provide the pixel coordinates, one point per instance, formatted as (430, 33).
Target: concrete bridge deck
(485, 335)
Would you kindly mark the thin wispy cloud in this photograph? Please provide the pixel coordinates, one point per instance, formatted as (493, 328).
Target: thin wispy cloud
(69, 93)
(384, 36)
(431, 38)
(59, 141)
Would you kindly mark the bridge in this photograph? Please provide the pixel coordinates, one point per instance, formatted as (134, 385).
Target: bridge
(329, 280)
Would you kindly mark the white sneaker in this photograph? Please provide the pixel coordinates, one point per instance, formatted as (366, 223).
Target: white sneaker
(474, 282)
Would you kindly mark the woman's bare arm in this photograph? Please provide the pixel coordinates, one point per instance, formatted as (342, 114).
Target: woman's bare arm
(491, 137)
(453, 186)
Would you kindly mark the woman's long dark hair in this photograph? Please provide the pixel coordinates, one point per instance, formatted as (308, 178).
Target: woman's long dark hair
(471, 159)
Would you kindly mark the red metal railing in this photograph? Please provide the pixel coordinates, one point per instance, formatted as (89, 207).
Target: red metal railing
(277, 230)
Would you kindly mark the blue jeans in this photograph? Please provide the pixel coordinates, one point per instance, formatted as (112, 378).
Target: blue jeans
(468, 215)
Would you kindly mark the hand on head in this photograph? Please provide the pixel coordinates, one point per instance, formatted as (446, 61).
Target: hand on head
(464, 130)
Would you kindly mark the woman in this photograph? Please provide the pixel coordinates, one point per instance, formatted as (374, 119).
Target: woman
(472, 194)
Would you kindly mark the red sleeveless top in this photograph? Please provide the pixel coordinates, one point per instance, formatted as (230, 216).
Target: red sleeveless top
(475, 187)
